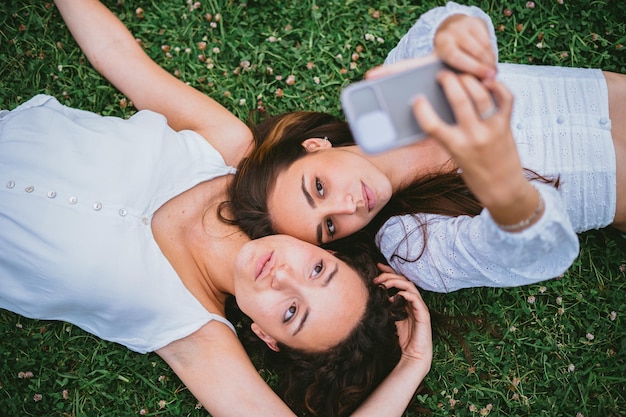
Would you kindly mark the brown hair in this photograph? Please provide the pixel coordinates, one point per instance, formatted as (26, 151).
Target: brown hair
(278, 142)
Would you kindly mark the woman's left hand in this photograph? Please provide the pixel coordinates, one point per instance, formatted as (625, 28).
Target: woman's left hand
(414, 332)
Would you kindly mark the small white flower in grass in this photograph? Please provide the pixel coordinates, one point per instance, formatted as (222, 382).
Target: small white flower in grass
(559, 300)
(352, 65)
(473, 408)
(18, 325)
(272, 39)
(310, 65)
(218, 17)
(65, 394)
(380, 40)
(530, 4)
(242, 102)
(188, 50)
(37, 397)
(291, 80)
(369, 37)
(561, 311)
(316, 80)
(531, 299)
(339, 57)
(542, 289)
(571, 368)
(177, 49)
(539, 45)
(613, 315)
(589, 336)
(579, 415)
(515, 396)
(512, 328)
(143, 412)
(162, 404)
(279, 78)
(213, 25)
(25, 375)
(216, 50)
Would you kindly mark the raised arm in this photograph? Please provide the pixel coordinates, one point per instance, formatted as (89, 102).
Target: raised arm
(214, 366)
(114, 52)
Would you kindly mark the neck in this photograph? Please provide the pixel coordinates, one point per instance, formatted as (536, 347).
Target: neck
(199, 246)
(406, 164)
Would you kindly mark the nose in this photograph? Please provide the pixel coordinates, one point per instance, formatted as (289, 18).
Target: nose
(281, 277)
(346, 205)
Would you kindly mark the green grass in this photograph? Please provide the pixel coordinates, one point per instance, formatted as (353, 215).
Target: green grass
(541, 364)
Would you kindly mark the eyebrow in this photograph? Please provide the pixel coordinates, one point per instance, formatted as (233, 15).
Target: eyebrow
(309, 199)
(305, 316)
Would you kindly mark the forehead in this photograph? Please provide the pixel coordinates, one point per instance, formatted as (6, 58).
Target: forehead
(336, 313)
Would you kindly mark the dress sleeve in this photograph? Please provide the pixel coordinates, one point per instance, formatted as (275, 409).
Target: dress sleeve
(418, 41)
(464, 251)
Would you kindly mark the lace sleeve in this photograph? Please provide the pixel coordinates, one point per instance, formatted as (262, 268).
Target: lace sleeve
(418, 41)
(464, 252)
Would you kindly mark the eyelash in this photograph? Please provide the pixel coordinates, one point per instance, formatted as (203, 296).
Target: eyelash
(320, 264)
(330, 226)
(295, 310)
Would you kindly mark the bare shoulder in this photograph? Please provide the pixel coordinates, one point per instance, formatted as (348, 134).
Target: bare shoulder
(213, 340)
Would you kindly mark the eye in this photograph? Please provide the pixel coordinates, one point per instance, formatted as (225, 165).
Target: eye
(319, 186)
(290, 313)
(330, 226)
(317, 269)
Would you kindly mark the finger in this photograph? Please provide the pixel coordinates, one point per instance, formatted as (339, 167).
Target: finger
(459, 99)
(400, 283)
(385, 268)
(483, 44)
(400, 66)
(502, 96)
(470, 56)
(386, 276)
(479, 94)
(429, 120)
(420, 309)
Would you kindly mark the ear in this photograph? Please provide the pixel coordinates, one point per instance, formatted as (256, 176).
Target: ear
(315, 144)
(269, 340)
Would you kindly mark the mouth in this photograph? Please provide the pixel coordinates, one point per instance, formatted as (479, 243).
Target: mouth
(263, 265)
(369, 197)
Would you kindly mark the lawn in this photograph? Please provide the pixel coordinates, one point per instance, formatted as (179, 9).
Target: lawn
(557, 348)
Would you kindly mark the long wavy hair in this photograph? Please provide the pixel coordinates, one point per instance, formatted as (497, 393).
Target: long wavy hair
(335, 382)
(278, 142)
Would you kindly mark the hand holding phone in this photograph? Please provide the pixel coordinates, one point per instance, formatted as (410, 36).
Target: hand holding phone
(379, 111)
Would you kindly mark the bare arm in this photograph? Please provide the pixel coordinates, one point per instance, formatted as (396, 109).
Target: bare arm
(114, 52)
(214, 366)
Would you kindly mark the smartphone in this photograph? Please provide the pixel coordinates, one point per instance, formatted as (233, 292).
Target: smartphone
(379, 111)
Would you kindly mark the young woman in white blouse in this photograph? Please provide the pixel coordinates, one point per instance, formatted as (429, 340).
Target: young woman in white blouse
(476, 203)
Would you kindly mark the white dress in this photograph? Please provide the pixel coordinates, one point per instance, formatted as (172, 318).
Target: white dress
(77, 195)
(562, 128)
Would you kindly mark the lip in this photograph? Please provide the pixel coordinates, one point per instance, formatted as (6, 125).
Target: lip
(368, 195)
(263, 265)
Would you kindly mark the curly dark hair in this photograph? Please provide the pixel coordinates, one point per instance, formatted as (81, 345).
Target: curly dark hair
(335, 382)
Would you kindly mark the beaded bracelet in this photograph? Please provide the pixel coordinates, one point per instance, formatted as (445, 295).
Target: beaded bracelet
(528, 220)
